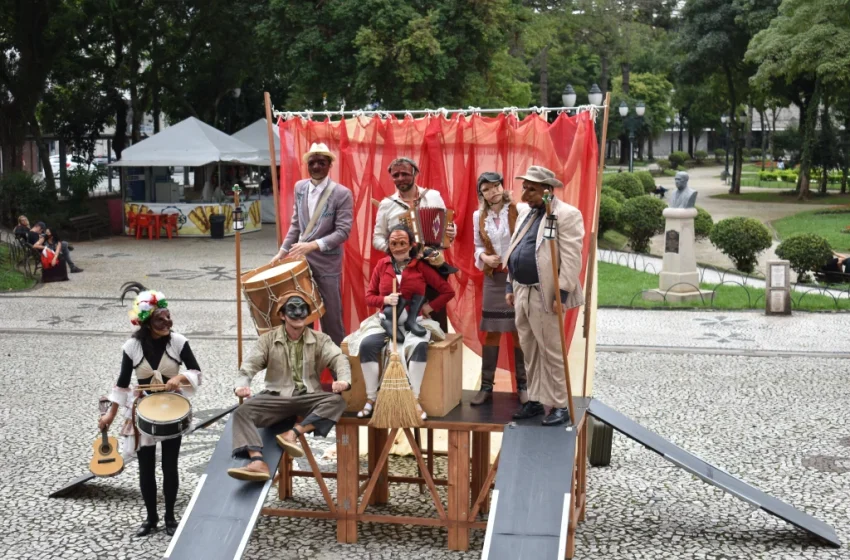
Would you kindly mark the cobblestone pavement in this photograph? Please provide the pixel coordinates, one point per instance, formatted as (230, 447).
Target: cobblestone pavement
(780, 423)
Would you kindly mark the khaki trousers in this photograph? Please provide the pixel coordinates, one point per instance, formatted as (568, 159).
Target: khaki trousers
(540, 339)
(321, 409)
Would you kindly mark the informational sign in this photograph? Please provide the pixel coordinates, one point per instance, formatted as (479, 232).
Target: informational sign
(671, 242)
(193, 218)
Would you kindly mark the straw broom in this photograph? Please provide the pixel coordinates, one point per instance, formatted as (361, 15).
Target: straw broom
(395, 406)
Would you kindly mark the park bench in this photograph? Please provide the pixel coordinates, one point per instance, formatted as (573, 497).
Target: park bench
(832, 277)
(88, 223)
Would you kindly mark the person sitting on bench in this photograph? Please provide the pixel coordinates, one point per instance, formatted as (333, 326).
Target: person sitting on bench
(51, 240)
(838, 264)
(22, 229)
(294, 357)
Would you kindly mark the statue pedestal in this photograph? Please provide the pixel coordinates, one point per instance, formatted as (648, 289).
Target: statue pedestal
(679, 280)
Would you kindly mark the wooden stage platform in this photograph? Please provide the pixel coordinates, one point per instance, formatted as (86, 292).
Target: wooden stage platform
(469, 480)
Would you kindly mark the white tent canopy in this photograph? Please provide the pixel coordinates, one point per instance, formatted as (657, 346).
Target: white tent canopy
(190, 143)
(256, 135)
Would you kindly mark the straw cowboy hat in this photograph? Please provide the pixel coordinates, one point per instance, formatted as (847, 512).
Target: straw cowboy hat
(319, 149)
(538, 174)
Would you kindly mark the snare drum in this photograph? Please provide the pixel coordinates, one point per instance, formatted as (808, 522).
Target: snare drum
(164, 415)
(264, 286)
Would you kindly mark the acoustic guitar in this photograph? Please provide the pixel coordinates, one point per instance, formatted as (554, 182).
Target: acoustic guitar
(106, 460)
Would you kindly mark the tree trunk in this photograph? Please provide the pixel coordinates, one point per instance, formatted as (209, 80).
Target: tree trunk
(624, 149)
(846, 159)
(736, 129)
(750, 127)
(625, 69)
(43, 155)
(649, 154)
(809, 138)
(763, 138)
(544, 76)
(603, 73)
(690, 143)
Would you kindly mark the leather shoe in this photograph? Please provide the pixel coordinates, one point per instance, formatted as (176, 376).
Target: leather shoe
(147, 527)
(76, 269)
(171, 526)
(482, 397)
(529, 410)
(556, 417)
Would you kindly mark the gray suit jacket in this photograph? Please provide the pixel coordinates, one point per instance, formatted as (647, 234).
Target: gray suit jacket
(332, 227)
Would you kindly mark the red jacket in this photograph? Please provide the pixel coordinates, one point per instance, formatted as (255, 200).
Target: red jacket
(414, 278)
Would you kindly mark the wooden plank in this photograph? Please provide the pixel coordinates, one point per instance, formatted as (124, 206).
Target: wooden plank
(364, 501)
(402, 520)
(438, 503)
(317, 473)
(458, 489)
(377, 441)
(484, 493)
(347, 478)
(281, 512)
(284, 485)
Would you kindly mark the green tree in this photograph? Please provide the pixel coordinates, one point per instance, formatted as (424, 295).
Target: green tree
(714, 38)
(807, 42)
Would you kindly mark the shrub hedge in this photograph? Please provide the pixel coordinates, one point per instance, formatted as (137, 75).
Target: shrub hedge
(741, 239)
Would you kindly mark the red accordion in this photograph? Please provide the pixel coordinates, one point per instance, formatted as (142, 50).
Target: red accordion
(429, 225)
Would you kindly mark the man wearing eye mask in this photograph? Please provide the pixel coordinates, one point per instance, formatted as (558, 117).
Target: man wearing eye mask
(294, 357)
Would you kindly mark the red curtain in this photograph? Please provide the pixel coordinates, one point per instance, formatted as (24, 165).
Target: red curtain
(452, 153)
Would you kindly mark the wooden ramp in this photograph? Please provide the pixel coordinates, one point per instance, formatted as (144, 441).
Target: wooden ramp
(223, 511)
(530, 508)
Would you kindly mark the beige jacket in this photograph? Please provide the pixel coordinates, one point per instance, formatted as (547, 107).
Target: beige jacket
(568, 245)
(270, 354)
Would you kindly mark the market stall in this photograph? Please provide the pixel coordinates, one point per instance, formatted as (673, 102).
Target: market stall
(148, 187)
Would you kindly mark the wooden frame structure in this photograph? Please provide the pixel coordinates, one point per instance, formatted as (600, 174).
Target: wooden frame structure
(470, 473)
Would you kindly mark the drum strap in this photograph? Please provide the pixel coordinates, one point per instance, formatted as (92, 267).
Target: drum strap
(136, 434)
(320, 209)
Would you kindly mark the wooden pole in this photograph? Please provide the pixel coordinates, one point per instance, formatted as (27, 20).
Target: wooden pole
(560, 310)
(273, 165)
(591, 267)
(238, 283)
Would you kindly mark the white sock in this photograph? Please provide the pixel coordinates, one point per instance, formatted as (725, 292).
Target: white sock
(416, 373)
(370, 376)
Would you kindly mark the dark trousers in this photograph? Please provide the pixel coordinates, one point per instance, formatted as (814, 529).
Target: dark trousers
(170, 476)
(66, 254)
(331, 291)
(320, 409)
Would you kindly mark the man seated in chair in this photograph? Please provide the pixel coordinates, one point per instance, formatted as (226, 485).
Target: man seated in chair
(294, 357)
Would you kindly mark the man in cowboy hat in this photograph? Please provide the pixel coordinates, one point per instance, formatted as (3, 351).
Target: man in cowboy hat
(293, 356)
(532, 292)
(390, 211)
(321, 221)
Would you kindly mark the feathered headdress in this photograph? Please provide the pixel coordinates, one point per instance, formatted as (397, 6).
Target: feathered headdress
(145, 304)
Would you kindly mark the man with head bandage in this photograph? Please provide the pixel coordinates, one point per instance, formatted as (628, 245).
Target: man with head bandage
(294, 357)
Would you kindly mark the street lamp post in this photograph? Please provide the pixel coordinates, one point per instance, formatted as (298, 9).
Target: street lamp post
(671, 125)
(569, 96)
(631, 125)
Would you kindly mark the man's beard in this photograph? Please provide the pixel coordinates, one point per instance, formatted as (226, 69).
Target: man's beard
(407, 187)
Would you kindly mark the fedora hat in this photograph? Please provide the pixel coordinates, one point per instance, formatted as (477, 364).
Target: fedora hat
(538, 174)
(319, 149)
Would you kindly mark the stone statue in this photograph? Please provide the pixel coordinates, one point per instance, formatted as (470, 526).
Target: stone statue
(684, 197)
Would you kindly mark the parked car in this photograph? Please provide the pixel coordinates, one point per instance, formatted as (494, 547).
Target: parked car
(71, 162)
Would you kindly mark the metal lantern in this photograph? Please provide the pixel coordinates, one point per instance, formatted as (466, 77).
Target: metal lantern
(238, 220)
(569, 96)
(595, 95)
(551, 230)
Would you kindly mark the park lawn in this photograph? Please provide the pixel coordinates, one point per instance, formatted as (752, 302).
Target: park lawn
(829, 226)
(620, 286)
(613, 240)
(785, 197)
(11, 279)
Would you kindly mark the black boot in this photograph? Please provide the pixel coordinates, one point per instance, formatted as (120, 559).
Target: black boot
(489, 361)
(171, 525)
(387, 323)
(411, 325)
(147, 527)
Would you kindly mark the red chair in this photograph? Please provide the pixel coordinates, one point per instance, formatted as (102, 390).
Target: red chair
(131, 222)
(144, 221)
(169, 222)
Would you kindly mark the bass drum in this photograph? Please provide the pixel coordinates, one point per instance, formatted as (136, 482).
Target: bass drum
(164, 415)
(264, 286)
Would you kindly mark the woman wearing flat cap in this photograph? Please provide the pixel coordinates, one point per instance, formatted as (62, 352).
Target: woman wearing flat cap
(493, 224)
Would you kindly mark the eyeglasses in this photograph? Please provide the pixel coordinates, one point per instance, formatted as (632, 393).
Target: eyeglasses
(400, 174)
